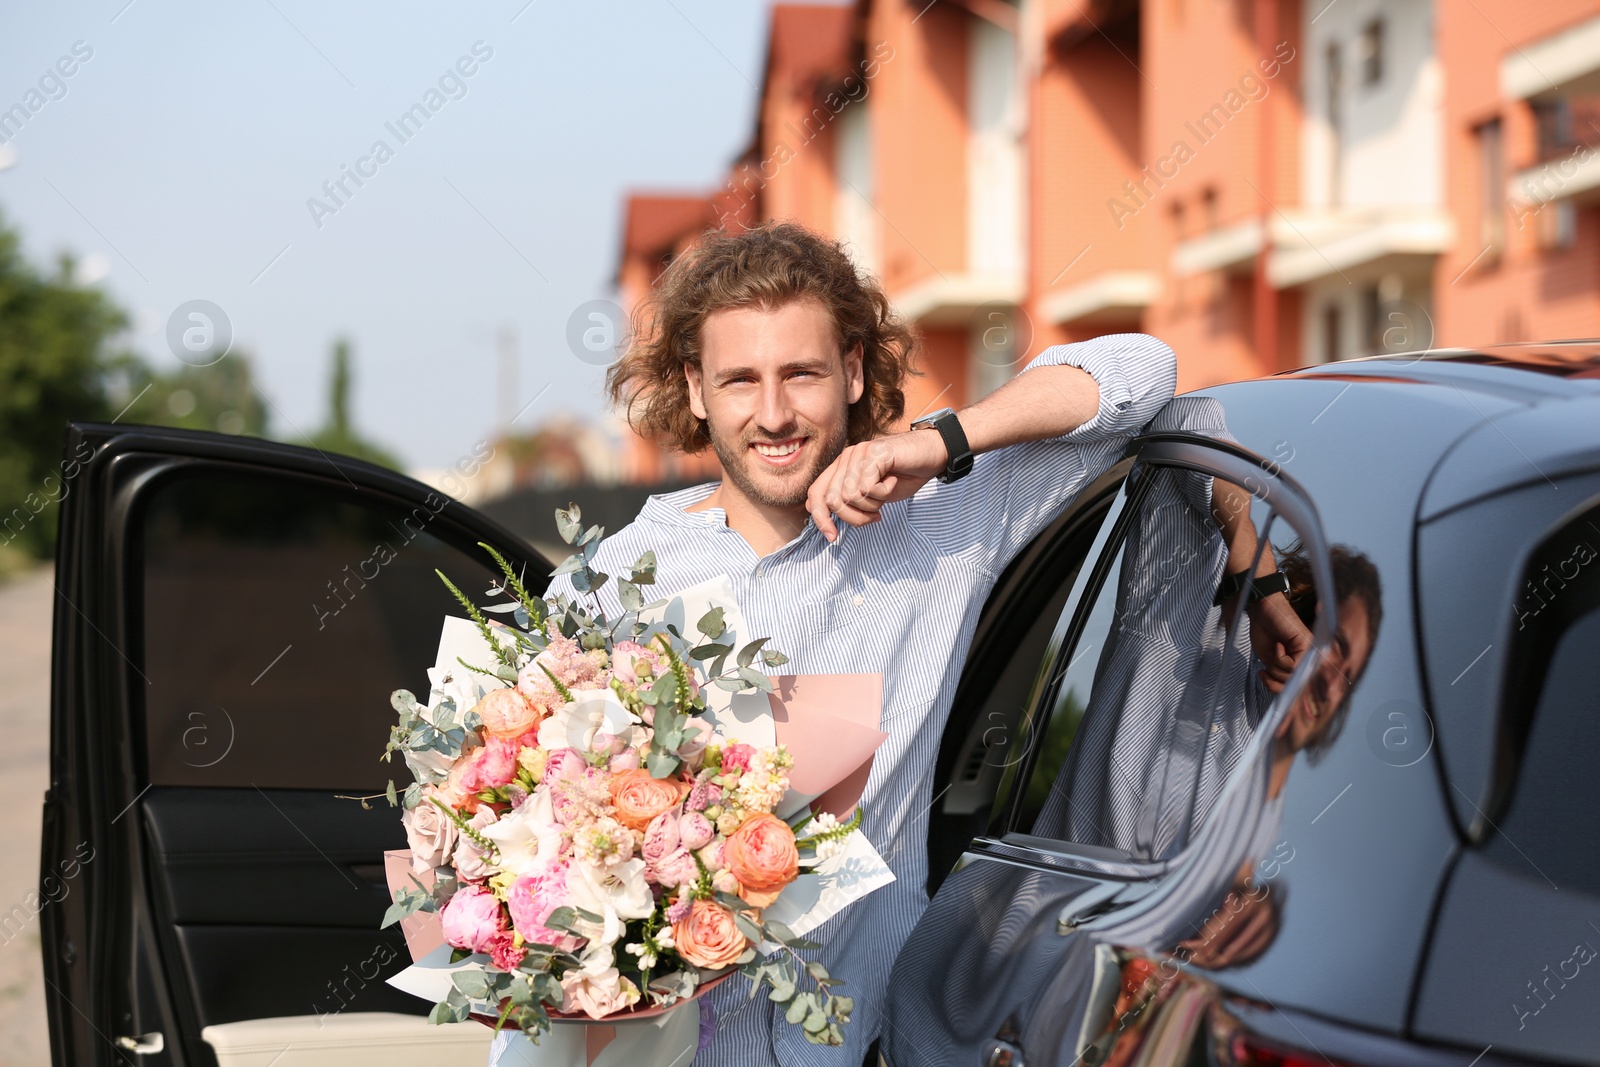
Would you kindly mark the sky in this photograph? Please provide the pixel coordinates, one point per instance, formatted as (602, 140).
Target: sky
(184, 158)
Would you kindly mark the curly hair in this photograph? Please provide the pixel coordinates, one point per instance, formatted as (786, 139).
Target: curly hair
(766, 267)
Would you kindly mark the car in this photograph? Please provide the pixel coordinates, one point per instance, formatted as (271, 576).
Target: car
(1332, 809)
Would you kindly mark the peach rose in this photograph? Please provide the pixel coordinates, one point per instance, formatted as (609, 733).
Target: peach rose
(709, 937)
(762, 855)
(638, 798)
(507, 713)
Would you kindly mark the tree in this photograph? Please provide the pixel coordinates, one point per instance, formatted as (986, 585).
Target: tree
(221, 396)
(55, 365)
(338, 434)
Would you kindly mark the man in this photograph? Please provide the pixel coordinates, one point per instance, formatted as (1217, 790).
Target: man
(853, 548)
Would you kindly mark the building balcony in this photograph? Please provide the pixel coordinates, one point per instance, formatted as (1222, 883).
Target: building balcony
(1307, 245)
(1113, 297)
(950, 300)
(1310, 245)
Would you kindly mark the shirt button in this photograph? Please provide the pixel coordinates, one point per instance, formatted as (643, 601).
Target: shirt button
(857, 600)
(758, 572)
(1215, 727)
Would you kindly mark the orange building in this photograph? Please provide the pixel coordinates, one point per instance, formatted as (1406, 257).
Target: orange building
(1261, 183)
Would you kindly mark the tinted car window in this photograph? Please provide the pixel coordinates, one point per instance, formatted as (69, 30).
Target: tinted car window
(1551, 713)
(276, 619)
(1160, 686)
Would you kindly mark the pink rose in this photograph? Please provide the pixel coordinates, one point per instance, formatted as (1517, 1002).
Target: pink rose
(507, 713)
(491, 766)
(533, 897)
(472, 919)
(675, 869)
(695, 746)
(564, 763)
(660, 837)
(430, 833)
(597, 995)
(472, 862)
(723, 881)
(629, 656)
(627, 760)
(736, 758)
(609, 744)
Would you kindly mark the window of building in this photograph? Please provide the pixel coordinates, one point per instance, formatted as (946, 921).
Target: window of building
(1371, 327)
(1332, 342)
(1491, 189)
(1558, 225)
(1371, 49)
(1333, 62)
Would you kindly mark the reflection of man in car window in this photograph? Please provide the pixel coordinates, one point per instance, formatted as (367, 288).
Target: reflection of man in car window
(1241, 927)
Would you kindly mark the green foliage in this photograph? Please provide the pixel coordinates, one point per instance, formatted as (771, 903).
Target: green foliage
(222, 397)
(338, 435)
(55, 365)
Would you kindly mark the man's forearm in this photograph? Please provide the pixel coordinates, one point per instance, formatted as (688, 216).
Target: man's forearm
(1045, 402)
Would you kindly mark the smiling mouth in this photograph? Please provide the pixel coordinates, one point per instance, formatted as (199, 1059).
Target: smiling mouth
(778, 453)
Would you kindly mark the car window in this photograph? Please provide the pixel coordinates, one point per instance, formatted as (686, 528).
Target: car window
(1551, 713)
(1158, 685)
(1005, 670)
(276, 619)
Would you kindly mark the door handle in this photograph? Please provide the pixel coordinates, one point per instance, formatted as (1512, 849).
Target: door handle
(145, 1044)
(1097, 901)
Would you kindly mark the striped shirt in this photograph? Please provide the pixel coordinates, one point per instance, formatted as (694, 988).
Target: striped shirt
(900, 596)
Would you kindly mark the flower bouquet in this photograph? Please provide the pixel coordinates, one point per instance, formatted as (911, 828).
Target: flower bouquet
(592, 840)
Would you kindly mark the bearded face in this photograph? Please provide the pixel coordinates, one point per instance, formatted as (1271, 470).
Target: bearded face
(775, 393)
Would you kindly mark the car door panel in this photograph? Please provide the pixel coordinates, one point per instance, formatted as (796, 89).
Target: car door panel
(233, 615)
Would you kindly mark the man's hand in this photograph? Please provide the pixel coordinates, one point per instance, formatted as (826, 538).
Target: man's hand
(871, 474)
(1279, 639)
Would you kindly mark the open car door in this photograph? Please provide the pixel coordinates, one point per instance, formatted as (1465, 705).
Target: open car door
(231, 617)
(1100, 781)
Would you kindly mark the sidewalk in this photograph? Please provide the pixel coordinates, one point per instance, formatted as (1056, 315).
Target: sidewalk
(25, 611)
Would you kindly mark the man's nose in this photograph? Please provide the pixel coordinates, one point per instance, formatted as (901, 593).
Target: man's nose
(776, 414)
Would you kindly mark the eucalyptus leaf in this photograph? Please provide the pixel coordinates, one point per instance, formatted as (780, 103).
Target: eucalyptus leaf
(747, 654)
(628, 593)
(711, 624)
(756, 678)
(799, 1008)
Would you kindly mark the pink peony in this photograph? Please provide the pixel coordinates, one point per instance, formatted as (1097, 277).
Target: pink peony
(472, 919)
(736, 758)
(533, 897)
(660, 837)
(626, 760)
(675, 869)
(695, 830)
(723, 881)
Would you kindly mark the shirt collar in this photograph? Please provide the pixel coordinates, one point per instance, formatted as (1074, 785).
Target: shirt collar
(666, 509)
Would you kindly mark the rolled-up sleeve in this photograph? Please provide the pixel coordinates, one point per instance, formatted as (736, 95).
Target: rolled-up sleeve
(1012, 493)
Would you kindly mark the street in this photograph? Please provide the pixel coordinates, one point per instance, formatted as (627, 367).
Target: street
(25, 612)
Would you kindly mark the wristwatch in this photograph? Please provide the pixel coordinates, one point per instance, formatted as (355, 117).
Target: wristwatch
(960, 462)
(1260, 588)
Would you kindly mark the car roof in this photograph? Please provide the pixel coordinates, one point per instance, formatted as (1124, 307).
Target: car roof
(1541, 399)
